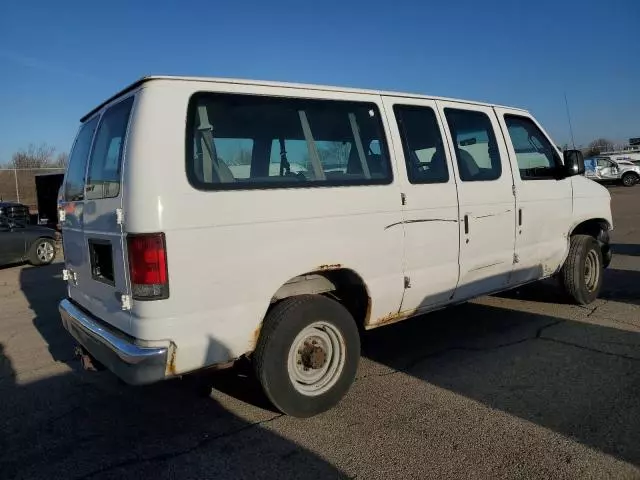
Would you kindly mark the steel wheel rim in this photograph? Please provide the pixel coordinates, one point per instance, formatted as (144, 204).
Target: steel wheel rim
(591, 270)
(44, 252)
(316, 359)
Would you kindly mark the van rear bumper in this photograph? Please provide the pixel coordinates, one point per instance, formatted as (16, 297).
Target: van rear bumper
(117, 351)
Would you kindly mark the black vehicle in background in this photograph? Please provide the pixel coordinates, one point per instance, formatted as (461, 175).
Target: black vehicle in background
(20, 242)
(15, 211)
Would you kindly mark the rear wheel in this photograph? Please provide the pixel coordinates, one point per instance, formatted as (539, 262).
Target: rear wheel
(307, 355)
(630, 179)
(582, 271)
(42, 252)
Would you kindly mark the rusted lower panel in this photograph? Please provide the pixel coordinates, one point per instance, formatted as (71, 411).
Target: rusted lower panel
(390, 318)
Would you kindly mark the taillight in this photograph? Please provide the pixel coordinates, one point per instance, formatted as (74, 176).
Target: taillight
(148, 266)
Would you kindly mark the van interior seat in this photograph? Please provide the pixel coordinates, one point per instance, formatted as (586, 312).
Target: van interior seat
(438, 164)
(468, 166)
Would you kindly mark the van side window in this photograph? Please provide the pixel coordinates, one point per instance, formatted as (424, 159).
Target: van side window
(103, 179)
(246, 141)
(537, 159)
(74, 181)
(475, 145)
(422, 144)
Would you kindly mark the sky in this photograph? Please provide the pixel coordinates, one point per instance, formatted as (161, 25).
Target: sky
(60, 59)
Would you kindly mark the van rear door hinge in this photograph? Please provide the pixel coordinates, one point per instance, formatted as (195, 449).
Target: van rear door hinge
(407, 282)
(513, 190)
(403, 199)
(516, 258)
(119, 216)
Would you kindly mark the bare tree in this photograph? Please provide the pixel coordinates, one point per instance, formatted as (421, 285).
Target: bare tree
(598, 146)
(41, 156)
(61, 160)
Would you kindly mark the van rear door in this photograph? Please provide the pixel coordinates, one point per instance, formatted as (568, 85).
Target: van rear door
(92, 229)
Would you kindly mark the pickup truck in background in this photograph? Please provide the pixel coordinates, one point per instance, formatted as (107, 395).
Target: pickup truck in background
(605, 169)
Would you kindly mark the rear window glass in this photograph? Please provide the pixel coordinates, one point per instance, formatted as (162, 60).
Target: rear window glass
(74, 181)
(242, 141)
(103, 180)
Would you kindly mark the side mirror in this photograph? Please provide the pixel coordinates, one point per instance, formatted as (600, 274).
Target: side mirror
(573, 163)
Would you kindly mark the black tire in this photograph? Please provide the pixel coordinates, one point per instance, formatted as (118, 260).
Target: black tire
(630, 179)
(35, 252)
(583, 269)
(281, 327)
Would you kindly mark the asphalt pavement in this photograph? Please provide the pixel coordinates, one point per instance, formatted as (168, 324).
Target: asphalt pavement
(518, 385)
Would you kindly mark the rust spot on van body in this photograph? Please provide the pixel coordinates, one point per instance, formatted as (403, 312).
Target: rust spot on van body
(390, 318)
(333, 266)
(171, 364)
(255, 337)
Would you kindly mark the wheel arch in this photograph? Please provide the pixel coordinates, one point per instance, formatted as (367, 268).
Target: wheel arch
(592, 226)
(343, 284)
(597, 228)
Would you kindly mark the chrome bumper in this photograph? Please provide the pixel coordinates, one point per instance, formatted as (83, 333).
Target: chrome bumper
(134, 364)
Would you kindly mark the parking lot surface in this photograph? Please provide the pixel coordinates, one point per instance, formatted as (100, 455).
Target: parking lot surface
(518, 385)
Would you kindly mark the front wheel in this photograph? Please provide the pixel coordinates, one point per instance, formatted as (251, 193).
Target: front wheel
(307, 355)
(630, 179)
(583, 271)
(42, 252)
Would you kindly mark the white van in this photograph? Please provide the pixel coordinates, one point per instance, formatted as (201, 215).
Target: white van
(205, 220)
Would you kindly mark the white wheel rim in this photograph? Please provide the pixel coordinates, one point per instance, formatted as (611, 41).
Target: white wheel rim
(592, 270)
(45, 252)
(316, 359)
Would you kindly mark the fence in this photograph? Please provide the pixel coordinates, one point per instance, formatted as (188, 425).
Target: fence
(19, 185)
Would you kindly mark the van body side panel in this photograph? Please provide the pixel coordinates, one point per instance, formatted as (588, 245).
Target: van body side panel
(228, 252)
(543, 205)
(590, 201)
(430, 213)
(487, 203)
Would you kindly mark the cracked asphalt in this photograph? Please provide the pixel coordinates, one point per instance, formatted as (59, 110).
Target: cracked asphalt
(518, 385)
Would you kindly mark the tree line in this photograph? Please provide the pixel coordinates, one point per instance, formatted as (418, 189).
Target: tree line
(598, 146)
(38, 156)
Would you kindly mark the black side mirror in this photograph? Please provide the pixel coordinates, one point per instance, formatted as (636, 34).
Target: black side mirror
(573, 163)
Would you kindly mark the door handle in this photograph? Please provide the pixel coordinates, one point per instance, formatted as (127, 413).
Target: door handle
(520, 217)
(466, 224)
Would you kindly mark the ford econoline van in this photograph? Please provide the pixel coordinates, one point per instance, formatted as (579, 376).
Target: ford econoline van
(208, 220)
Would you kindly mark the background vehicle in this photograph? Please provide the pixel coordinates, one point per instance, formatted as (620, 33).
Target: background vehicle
(15, 211)
(21, 242)
(607, 170)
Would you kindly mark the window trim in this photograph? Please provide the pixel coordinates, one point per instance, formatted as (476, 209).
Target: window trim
(123, 146)
(555, 172)
(97, 117)
(454, 143)
(406, 147)
(190, 126)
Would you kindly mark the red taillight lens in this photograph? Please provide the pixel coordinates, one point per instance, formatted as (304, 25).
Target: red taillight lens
(148, 266)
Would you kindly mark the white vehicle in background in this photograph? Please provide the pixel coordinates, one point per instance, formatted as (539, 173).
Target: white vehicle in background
(207, 220)
(609, 170)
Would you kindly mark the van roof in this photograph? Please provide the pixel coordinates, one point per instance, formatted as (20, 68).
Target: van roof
(326, 88)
